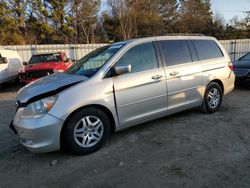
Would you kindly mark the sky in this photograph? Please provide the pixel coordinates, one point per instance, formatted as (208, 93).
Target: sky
(230, 8)
(227, 8)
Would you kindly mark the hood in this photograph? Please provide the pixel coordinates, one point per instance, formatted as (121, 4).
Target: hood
(43, 65)
(242, 64)
(46, 86)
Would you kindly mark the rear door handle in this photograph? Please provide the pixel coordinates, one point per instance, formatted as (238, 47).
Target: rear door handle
(156, 77)
(174, 73)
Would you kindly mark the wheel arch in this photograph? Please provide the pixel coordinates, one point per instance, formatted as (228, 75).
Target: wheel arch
(218, 82)
(204, 108)
(101, 107)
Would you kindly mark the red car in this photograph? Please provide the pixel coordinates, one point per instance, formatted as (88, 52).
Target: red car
(41, 65)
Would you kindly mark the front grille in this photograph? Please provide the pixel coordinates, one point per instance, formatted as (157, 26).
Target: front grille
(36, 74)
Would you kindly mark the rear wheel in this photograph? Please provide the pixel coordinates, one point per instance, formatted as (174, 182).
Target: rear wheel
(86, 131)
(212, 98)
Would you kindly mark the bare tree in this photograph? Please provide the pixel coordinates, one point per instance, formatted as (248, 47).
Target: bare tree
(195, 16)
(84, 15)
(125, 12)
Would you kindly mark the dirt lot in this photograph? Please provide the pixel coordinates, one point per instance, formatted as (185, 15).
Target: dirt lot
(189, 149)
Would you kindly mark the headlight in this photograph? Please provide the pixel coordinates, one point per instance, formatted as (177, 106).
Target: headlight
(39, 108)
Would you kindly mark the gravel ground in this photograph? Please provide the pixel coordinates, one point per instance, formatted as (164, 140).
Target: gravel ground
(189, 149)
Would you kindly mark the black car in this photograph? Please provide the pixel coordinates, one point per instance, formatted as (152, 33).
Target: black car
(242, 68)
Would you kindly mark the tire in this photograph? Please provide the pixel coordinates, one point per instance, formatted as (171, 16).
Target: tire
(86, 131)
(212, 98)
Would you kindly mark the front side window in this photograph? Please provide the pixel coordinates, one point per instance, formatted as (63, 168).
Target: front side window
(141, 58)
(92, 62)
(175, 52)
(207, 49)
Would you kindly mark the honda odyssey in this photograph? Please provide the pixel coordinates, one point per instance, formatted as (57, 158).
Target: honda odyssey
(121, 85)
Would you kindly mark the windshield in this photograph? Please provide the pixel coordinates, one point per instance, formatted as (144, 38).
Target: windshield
(44, 58)
(92, 62)
(246, 57)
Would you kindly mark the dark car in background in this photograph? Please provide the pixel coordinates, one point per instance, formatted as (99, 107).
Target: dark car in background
(242, 69)
(41, 65)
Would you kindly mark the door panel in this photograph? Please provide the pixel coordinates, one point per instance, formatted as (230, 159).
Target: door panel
(184, 87)
(13, 66)
(184, 75)
(140, 95)
(4, 75)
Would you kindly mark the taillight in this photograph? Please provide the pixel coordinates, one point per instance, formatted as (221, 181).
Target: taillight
(230, 65)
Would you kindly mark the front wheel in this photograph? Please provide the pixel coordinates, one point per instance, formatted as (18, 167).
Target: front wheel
(212, 98)
(86, 131)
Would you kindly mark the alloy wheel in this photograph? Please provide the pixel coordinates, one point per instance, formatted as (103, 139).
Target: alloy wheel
(88, 131)
(214, 98)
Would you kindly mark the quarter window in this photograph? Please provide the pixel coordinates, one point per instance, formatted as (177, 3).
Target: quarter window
(175, 52)
(207, 49)
(141, 58)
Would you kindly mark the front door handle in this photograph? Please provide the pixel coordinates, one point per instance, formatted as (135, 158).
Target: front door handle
(174, 73)
(156, 77)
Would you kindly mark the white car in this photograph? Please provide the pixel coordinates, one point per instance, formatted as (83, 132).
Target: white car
(10, 63)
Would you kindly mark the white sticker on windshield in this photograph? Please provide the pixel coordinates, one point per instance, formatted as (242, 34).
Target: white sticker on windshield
(115, 46)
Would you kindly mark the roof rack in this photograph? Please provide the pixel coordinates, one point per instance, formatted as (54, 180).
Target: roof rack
(185, 34)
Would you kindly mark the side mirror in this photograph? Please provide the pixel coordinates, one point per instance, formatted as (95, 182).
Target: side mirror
(122, 69)
(3, 60)
(68, 60)
(25, 63)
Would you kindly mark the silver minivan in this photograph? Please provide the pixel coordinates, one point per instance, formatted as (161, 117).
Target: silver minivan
(121, 85)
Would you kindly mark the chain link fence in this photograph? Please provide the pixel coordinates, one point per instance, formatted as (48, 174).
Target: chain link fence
(236, 48)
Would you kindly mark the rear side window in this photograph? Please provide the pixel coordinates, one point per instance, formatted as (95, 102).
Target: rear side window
(175, 52)
(207, 49)
(141, 58)
(245, 57)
